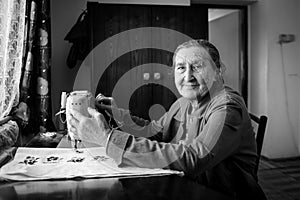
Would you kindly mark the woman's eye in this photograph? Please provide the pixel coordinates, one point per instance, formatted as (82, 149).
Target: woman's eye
(197, 68)
(180, 69)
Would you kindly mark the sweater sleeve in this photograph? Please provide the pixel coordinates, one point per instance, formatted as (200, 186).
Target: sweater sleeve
(219, 138)
(137, 126)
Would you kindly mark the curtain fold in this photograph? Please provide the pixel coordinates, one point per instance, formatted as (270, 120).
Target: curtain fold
(43, 89)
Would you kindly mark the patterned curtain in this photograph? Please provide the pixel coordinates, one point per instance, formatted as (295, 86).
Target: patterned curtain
(34, 109)
(12, 16)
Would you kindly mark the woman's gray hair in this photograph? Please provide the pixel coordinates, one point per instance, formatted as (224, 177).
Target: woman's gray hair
(209, 47)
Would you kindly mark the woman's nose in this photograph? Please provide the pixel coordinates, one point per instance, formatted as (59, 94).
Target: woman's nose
(188, 74)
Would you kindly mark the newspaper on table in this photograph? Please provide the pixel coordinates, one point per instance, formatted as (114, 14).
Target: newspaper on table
(65, 163)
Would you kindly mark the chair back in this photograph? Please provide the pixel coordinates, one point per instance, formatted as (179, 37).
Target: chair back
(260, 134)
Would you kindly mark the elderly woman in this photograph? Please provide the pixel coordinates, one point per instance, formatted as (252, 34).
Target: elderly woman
(206, 133)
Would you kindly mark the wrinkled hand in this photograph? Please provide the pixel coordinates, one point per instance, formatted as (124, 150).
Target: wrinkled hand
(92, 129)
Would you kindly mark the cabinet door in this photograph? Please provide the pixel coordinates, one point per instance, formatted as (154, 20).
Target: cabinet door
(139, 45)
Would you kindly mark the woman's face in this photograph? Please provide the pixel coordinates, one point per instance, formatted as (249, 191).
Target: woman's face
(194, 72)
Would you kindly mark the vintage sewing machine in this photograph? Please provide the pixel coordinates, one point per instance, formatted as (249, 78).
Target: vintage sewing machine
(79, 101)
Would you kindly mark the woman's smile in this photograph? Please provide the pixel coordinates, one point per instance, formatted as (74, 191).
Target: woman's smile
(191, 86)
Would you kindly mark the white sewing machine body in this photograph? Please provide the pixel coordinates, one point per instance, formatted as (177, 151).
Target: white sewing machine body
(79, 101)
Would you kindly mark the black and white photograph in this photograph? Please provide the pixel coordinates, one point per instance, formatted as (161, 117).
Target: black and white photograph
(150, 99)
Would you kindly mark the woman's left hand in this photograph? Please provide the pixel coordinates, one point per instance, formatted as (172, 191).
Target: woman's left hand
(92, 129)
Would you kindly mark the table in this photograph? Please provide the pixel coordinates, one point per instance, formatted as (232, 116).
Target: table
(165, 187)
(141, 188)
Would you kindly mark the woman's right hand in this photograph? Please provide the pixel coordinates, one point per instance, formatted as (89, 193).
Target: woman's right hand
(105, 104)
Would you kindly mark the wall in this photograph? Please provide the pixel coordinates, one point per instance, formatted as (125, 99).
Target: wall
(224, 34)
(274, 74)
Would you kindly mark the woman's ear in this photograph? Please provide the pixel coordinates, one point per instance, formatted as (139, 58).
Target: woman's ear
(222, 69)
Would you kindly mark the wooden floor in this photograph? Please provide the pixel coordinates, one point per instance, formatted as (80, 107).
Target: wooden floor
(280, 178)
